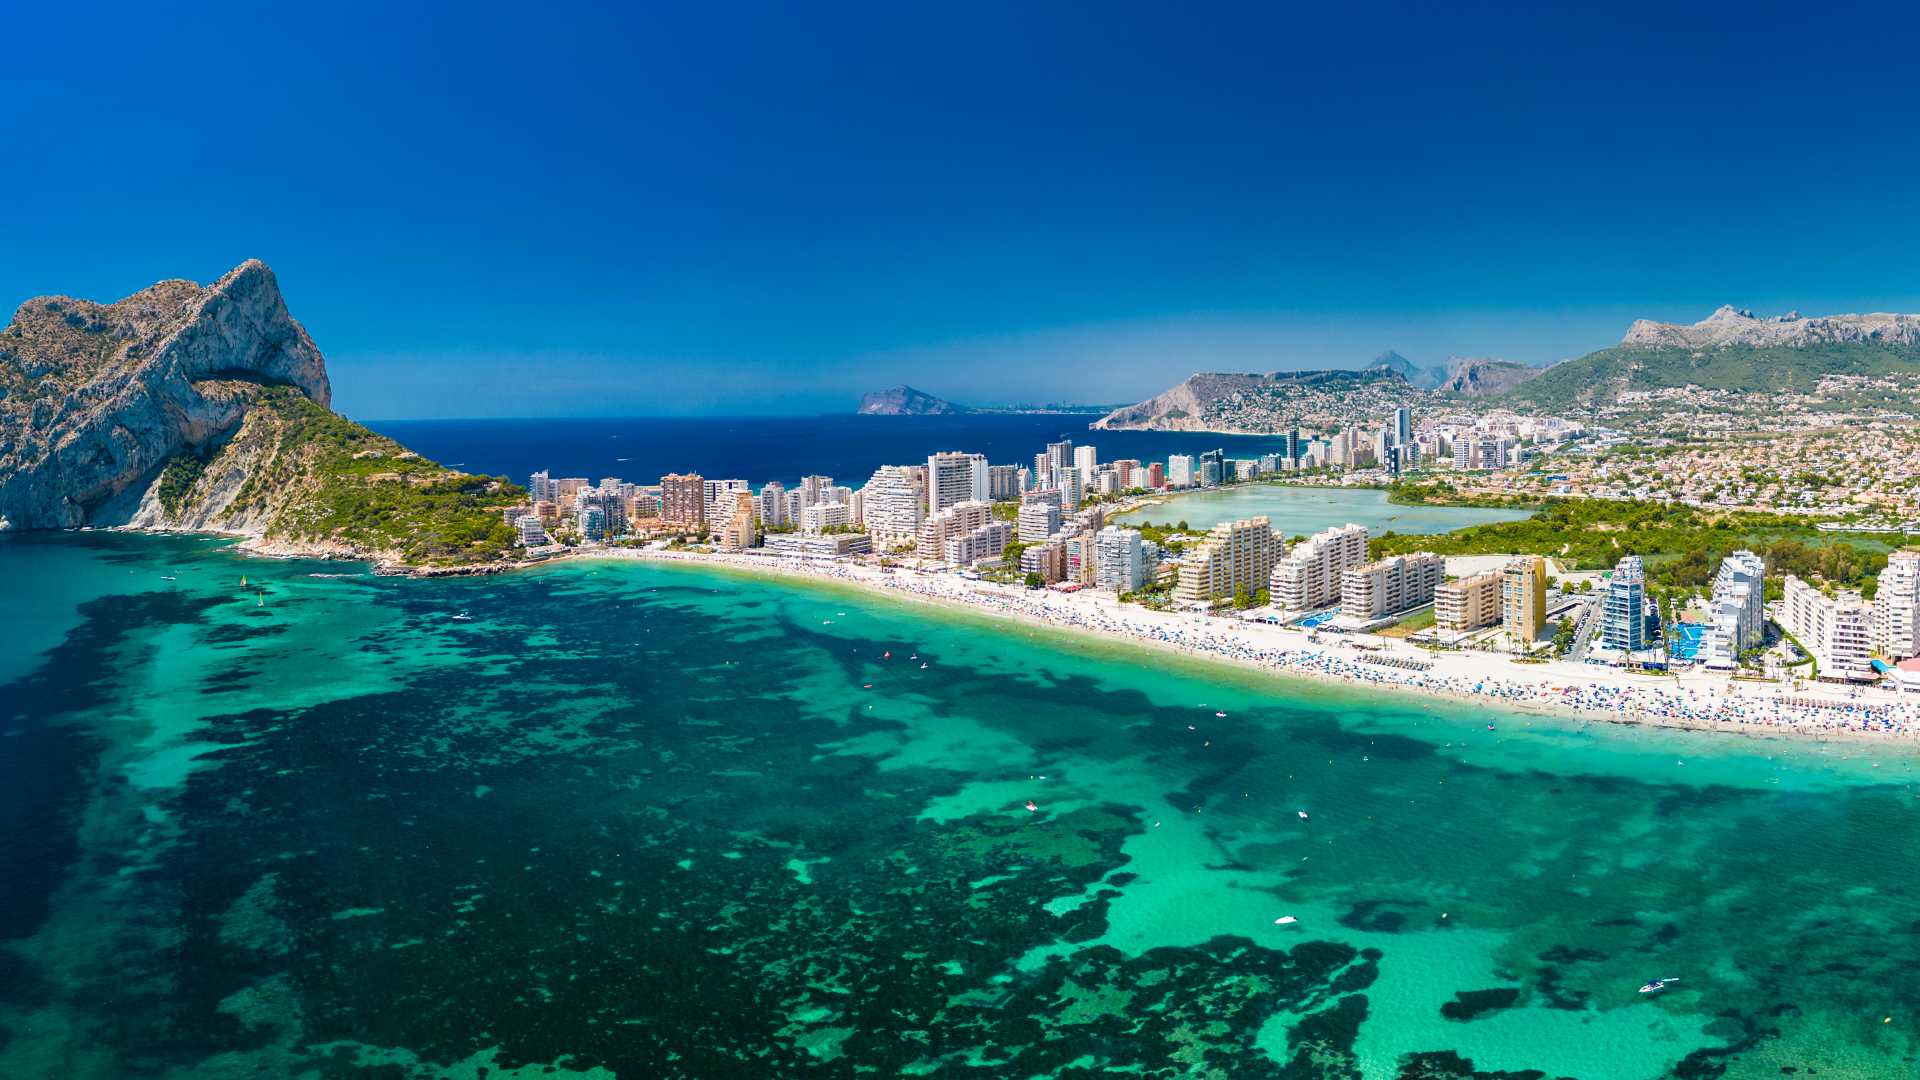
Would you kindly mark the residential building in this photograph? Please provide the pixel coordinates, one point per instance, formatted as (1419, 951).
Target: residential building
(541, 488)
(1403, 426)
(1086, 462)
(1390, 586)
(813, 489)
(1119, 561)
(894, 505)
(1623, 616)
(1523, 601)
(821, 516)
(1736, 614)
(1156, 476)
(532, 533)
(1309, 576)
(683, 500)
(1003, 482)
(955, 477)
(1896, 607)
(593, 523)
(740, 529)
(1837, 629)
(773, 505)
(1212, 468)
(955, 521)
(1470, 603)
(979, 544)
(808, 546)
(1038, 520)
(1180, 470)
(1235, 556)
(1048, 559)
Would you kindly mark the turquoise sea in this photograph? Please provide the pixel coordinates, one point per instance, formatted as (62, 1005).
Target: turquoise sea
(664, 821)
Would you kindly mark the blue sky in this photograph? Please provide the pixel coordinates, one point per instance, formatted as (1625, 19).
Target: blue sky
(567, 210)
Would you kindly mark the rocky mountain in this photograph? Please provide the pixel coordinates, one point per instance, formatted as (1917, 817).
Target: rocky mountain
(1730, 326)
(1424, 378)
(1230, 403)
(1479, 376)
(906, 401)
(1738, 353)
(206, 408)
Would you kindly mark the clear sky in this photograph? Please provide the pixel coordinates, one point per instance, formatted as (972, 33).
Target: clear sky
(661, 208)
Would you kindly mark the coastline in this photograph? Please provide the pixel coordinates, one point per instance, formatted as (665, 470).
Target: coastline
(1582, 693)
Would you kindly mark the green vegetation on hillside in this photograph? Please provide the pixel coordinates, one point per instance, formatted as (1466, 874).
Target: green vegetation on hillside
(329, 479)
(1597, 377)
(177, 479)
(1681, 545)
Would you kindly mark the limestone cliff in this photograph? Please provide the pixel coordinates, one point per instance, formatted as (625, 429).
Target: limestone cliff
(206, 408)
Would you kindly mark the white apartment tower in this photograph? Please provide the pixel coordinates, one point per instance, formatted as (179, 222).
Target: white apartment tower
(1309, 576)
(1896, 607)
(1119, 561)
(955, 477)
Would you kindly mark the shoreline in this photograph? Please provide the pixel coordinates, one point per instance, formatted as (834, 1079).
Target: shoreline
(1582, 693)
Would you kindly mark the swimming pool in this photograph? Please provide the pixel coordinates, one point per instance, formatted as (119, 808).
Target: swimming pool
(1685, 638)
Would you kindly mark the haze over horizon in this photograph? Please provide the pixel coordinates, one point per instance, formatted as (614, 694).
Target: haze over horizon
(683, 210)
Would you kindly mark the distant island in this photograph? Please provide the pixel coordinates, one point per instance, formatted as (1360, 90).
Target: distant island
(904, 400)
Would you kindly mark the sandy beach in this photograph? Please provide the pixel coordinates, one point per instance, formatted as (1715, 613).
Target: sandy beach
(1585, 692)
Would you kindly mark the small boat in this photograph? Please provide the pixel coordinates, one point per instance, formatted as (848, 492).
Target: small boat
(923, 666)
(168, 577)
(463, 617)
(888, 655)
(1657, 985)
(1302, 813)
(1032, 807)
(1285, 920)
(1221, 715)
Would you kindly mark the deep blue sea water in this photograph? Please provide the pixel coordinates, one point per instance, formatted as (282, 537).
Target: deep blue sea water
(848, 448)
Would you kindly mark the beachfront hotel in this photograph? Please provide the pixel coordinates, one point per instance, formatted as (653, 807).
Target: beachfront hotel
(1736, 614)
(1896, 607)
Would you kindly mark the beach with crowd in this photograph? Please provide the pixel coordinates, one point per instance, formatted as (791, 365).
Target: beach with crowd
(1587, 692)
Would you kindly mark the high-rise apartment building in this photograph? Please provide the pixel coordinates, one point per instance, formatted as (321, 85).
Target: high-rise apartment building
(1736, 614)
(1896, 607)
(1038, 520)
(1623, 619)
(955, 521)
(1213, 468)
(1156, 476)
(978, 544)
(822, 516)
(740, 529)
(1403, 426)
(1003, 482)
(683, 500)
(1471, 603)
(1236, 555)
(1309, 576)
(955, 477)
(1523, 601)
(1838, 629)
(813, 488)
(893, 504)
(1119, 561)
(773, 505)
(1390, 586)
(1180, 470)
